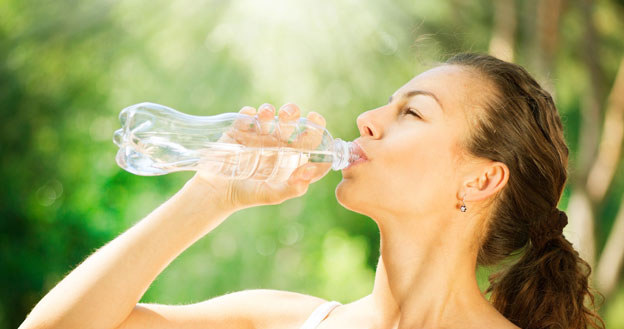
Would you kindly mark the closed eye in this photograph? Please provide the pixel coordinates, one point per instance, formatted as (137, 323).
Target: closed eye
(411, 111)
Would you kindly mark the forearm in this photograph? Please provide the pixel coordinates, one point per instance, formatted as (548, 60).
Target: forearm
(102, 291)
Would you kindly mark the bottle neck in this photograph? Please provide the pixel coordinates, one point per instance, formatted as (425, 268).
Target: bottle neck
(343, 154)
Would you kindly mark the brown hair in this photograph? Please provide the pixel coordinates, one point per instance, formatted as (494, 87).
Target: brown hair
(547, 284)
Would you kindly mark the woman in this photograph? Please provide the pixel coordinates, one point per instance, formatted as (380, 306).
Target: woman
(473, 162)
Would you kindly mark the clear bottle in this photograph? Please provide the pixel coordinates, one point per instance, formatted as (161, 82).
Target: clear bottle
(156, 140)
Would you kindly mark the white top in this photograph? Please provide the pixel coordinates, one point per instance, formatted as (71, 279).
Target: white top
(319, 314)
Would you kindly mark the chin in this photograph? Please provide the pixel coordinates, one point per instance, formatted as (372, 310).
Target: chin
(347, 196)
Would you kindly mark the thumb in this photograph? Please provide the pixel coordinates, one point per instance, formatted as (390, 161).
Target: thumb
(304, 173)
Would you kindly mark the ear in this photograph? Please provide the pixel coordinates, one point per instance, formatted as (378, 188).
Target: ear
(491, 179)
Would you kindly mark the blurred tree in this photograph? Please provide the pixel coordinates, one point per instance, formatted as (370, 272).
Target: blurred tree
(598, 157)
(503, 32)
(68, 67)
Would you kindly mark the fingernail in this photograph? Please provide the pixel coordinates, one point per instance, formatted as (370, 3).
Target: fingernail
(289, 109)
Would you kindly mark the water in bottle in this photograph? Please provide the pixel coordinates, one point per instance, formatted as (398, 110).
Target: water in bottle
(156, 140)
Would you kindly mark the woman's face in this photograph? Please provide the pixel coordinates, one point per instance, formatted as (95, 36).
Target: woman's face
(414, 165)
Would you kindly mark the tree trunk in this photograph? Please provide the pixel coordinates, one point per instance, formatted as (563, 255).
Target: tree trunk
(581, 207)
(599, 180)
(610, 264)
(548, 15)
(609, 152)
(580, 228)
(503, 34)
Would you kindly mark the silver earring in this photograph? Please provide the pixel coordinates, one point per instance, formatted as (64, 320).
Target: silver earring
(463, 206)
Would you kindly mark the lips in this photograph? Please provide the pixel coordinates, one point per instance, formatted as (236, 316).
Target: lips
(358, 152)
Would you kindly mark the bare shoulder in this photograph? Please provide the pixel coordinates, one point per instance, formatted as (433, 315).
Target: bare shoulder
(278, 308)
(247, 309)
(267, 308)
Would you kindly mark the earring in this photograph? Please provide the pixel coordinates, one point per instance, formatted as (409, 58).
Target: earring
(463, 206)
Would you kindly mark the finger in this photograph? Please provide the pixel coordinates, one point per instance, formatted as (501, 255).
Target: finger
(313, 136)
(299, 180)
(308, 172)
(248, 110)
(297, 184)
(266, 118)
(244, 123)
(284, 191)
(316, 118)
(287, 116)
(320, 170)
(235, 134)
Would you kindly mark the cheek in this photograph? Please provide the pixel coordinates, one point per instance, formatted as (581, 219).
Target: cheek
(410, 173)
(418, 158)
(416, 174)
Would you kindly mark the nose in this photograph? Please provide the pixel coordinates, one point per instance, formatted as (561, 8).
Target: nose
(369, 124)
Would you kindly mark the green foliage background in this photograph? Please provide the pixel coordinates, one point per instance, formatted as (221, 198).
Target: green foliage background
(68, 67)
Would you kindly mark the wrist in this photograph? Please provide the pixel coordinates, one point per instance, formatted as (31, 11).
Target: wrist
(214, 191)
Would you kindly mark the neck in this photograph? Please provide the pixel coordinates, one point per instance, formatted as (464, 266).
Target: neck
(422, 278)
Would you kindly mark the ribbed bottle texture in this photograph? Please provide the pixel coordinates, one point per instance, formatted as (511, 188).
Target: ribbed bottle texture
(156, 140)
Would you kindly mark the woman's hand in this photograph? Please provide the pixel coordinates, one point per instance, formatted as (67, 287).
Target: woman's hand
(271, 182)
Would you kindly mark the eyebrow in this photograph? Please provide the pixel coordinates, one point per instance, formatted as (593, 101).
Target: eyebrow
(419, 92)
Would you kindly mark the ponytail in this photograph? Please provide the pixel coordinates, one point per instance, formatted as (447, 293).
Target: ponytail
(548, 286)
(518, 124)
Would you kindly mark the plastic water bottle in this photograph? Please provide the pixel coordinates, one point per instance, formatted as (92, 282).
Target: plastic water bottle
(156, 140)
